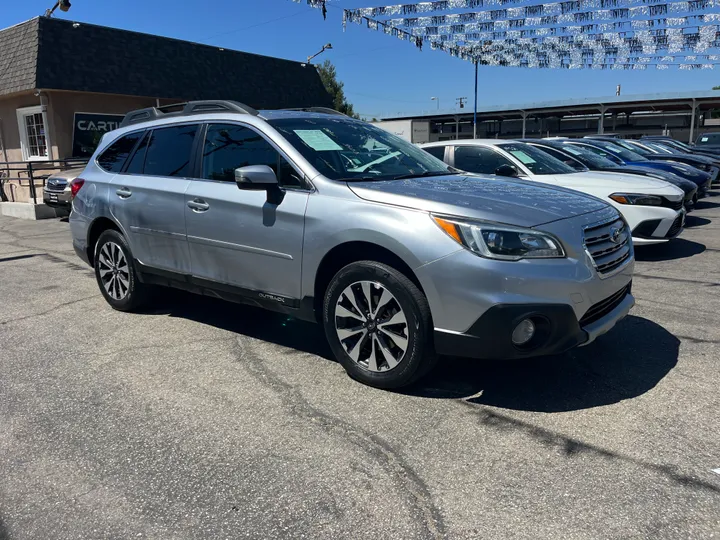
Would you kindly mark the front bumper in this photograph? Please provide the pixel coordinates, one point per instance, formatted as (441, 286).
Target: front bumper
(57, 199)
(558, 329)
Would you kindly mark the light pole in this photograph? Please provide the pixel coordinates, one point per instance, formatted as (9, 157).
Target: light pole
(325, 48)
(64, 5)
(438, 101)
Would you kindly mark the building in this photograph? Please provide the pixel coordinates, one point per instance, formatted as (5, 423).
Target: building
(681, 115)
(64, 83)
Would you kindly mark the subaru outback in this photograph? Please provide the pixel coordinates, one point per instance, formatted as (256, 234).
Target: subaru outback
(326, 218)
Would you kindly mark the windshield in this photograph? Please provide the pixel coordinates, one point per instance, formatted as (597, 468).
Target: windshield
(588, 157)
(346, 149)
(659, 147)
(676, 145)
(536, 160)
(620, 148)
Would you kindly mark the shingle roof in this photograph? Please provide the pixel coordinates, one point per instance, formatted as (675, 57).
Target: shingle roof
(89, 58)
(18, 58)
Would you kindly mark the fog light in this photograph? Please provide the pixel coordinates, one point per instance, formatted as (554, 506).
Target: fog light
(523, 332)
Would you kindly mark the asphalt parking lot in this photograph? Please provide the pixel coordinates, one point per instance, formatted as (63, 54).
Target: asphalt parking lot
(201, 419)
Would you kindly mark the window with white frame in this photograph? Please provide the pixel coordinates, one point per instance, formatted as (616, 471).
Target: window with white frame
(34, 140)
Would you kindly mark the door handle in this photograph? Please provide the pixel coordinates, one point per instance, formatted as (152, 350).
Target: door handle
(198, 205)
(124, 193)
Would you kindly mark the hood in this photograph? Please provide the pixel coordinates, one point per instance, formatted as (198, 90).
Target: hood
(610, 182)
(514, 202)
(69, 175)
(675, 167)
(685, 158)
(659, 174)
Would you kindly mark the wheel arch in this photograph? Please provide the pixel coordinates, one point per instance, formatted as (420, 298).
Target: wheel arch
(353, 251)
(97, 227)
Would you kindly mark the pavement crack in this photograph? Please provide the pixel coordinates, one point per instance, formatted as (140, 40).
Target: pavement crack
(389, 458)
(47, 311)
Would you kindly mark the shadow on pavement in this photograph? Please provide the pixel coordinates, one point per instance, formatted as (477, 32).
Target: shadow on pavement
(704, 204)
(623, 364)
(4, 533)
(678, 248)
(696, 221)
(246, 320)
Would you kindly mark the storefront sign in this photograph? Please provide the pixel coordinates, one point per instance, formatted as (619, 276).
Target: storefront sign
(88, 129)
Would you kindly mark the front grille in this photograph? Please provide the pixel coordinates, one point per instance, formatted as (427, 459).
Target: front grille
(675, 205)
(602, 308)
(56, 184)
(675, 228)
(609, 245)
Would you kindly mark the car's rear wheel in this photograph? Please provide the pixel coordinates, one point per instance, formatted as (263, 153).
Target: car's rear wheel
(115, 273)
(378, 325)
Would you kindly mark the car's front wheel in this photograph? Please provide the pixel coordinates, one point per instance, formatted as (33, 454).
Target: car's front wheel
(378, 325)
(115, 273)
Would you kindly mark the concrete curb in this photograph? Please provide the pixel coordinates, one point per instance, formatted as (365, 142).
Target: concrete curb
(30, 211)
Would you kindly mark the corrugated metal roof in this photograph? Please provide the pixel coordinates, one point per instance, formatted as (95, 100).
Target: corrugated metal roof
(581, 104)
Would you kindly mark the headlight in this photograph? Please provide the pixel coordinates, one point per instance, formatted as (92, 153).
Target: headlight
(503, 242)
(634, 198)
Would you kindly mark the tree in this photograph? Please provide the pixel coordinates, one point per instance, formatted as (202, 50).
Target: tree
(328, 75)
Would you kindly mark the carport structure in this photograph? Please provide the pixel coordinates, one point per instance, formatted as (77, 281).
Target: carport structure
(678, 111)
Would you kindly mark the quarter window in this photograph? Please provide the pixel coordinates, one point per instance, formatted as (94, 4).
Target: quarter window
(229, 147)
(479, 159)
(168, 151)
(113, 158)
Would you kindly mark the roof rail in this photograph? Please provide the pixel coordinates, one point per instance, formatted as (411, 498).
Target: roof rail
(324, 110)
(186, 109)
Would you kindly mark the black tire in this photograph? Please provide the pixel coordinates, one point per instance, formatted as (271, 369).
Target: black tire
(419, 356)
(136, 293)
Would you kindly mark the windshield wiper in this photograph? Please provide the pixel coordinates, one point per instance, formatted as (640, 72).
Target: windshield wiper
(424, 174)
(363, 179)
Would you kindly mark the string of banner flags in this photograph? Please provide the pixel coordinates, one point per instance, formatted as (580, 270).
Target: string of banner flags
(573, 34)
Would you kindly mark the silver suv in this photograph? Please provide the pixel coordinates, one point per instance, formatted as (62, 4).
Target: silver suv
(331, 219)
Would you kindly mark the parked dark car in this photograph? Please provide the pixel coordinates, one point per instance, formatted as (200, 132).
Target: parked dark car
(622, 151)
(581, 158)
(709, 141)
(713, 152)
(656, 151)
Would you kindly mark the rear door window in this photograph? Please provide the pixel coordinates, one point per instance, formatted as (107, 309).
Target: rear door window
(169, 151)
(137, 161)
(114, 157)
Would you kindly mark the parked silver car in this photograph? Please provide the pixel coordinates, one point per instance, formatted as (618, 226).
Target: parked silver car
(328, 218)
(57, 191)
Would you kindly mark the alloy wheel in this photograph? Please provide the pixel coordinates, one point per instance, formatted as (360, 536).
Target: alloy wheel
(371, 326)
(114, 270)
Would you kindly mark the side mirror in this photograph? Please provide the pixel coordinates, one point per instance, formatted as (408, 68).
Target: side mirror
(257, 177)
(507, 170)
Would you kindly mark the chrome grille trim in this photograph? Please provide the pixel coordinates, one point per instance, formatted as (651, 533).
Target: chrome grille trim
(609, 255)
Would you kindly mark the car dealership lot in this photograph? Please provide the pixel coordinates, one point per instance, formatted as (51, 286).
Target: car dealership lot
(201, 419)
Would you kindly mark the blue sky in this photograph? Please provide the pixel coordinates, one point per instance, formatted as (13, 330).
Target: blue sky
(383, 76)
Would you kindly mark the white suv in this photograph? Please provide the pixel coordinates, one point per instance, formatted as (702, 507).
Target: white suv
(652, 208)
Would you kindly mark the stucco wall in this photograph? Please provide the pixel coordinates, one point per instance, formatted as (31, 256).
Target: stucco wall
(62, 107)
(8, 123)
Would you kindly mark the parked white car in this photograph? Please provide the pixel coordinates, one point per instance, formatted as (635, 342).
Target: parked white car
(652, 208)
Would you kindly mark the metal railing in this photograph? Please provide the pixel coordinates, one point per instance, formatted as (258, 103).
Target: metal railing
(31, 173)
